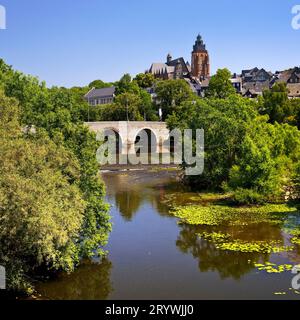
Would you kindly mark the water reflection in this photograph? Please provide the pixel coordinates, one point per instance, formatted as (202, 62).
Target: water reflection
(153, 257)
(91, 281)
(128, 203)
(228, 264)
(128, 191)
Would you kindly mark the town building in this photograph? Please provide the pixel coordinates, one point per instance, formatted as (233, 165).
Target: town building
(179, 68)
(237, 82)
(100, 96)
(255, 81)
(291, 78)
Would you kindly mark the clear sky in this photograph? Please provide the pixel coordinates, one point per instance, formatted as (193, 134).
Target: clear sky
(72, 42)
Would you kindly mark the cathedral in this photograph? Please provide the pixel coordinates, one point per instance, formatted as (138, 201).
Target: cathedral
(197, 71)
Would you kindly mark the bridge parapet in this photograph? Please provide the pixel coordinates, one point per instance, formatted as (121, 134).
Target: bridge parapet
(129, 130)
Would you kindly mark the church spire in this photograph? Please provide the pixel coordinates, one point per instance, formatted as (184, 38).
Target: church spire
(169, 58)
(199, 44)
(200, 60)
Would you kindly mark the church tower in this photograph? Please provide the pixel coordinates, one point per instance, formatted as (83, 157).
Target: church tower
(200, 60)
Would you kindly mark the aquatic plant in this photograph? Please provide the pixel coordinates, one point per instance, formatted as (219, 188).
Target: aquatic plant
(296, 238)
(273, 268)
(254, 246)
(189, 198)
(215, 237)
(219, 215)
(224, 241)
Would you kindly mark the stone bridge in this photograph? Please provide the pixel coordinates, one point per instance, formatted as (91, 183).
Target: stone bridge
(128, 132)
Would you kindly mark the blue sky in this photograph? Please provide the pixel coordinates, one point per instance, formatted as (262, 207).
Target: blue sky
(72, 42)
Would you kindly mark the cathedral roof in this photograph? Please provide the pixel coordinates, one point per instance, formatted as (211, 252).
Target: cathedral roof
(159, 67)
(181, 61)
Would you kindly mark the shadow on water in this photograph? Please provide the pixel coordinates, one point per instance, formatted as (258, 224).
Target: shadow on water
(91, 281)
(228, 264)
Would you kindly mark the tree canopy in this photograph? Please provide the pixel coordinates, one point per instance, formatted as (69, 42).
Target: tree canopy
(220, 85)
(60, 156)
(244, 153)
(171, 93)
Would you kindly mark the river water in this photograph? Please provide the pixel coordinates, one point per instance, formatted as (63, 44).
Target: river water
(151, 256)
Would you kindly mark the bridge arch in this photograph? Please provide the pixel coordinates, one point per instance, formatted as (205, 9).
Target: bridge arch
(128, 131)
(152, 139)
(119, 140)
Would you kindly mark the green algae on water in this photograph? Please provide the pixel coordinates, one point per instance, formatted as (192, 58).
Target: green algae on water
(215, 215)
(273, 268)
(224, 241)
(254, 246)
(296, 237)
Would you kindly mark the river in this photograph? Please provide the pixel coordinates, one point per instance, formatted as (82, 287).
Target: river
(151, 256)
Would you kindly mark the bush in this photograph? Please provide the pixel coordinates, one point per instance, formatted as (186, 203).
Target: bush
(248, 197)
(42, 207)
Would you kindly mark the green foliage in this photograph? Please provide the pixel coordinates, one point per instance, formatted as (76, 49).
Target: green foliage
(220, 85)
(126, 85)
(171, 93)
(99, 84)
(266, 163)
(277, 105)
(42, 207)
(256, 171)
(147, 109)
(131, 103)
(225, 123)
(244, 153)
(296, 107)
(247, 196)
(145, 80)
(59, 112)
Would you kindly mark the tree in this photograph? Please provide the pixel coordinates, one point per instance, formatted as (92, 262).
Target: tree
(147, 108)
(145, 80)
(126, 85)
(266, 164)
(244, 153)
(295, 118)
(58, 113)
(171, 93)
(225, 123)
(99, 84)
(132, 102)
(276, 103)
(220, 85)
(42, 208)
(128, 105)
